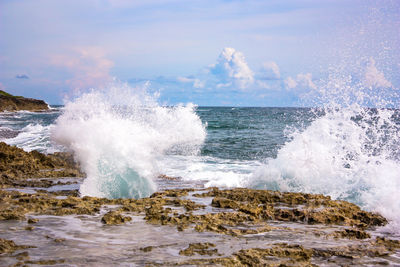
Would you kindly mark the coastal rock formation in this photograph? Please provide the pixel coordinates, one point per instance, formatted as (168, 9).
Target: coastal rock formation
(8, 246)
(248, 215)
(9, 102)
(114, 217)
(16, 165)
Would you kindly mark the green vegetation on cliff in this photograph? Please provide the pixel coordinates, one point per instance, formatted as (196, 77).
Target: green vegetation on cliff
(9, 102)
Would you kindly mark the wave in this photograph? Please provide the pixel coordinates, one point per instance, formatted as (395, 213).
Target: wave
(349, 152)
(120, 134)
(32, 137)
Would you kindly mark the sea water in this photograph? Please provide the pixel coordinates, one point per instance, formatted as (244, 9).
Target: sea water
(124, 139)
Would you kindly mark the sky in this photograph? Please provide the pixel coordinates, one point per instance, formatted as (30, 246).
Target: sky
(208, 52)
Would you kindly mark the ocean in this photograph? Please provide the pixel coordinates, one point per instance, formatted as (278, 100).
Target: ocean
(124, 139)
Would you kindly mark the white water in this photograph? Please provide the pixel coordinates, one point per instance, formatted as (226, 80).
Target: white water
(350, 153)
(120, 135)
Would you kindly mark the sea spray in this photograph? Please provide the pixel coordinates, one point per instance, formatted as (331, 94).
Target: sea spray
(349, 151)
(119, 134)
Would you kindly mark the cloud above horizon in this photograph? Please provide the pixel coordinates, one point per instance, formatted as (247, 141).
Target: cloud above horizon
(270, 71)
(88, 67)
(232, 70)
(301, 81)
(219, 52)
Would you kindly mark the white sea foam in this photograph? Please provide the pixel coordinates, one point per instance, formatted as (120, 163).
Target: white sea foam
(351, 153)
(120, 134)
(34, 137)
(211, 171)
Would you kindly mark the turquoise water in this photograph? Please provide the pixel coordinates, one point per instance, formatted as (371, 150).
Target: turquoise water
(349, 153)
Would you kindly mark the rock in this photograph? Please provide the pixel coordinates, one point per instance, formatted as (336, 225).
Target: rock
(8, 246)
(224, 203)
(113, 217)
(199, 248)
(9, 102)
(32, 220)
(352, 234)
(147, 249)
(278, 255)
(16, 165)
(170, 178)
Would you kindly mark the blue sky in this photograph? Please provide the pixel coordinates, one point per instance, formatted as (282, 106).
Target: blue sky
(209, 52)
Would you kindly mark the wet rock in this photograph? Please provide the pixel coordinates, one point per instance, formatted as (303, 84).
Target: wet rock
(16, 165)
(8, 246)
(22, 256)
(278, 255)
(199, 248)
(32, 220)
(45, 262)
(113, 217)
(315, 209)
(169, 178)
(241, 213)
(389, 244)
(224, 203)
(147, 249)
(351, 234)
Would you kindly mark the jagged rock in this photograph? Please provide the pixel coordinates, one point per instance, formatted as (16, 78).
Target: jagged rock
(199, 248)
(278, 255)
(113, 217)
(8, 246)
(351, 234)
(16, 165)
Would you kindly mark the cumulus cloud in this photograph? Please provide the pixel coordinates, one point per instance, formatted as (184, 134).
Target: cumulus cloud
(290, 83)
(301, 81)
(22, 76)
(373, 77)
(196, 83)
(232, 69)
(88, 66)
(270, 71)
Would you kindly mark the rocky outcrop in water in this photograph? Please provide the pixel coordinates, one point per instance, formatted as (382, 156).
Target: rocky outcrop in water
(16, 165)
(9, 102)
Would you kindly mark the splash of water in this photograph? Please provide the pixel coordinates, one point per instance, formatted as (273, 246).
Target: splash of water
(119, 134)
(349, 152)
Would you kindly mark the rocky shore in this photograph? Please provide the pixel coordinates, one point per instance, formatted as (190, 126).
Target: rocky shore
(209, 226)
(20, 168)
(9, 102)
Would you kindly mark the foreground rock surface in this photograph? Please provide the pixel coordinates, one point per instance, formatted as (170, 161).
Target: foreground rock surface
(270, 228)
(176, 227)
(9, 102)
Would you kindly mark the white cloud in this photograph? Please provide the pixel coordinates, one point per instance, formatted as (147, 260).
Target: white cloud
(197, 83)
(373, 77)
(301, 81)
(290, 83)
(232, 68)
(88, 66)
(270, 71)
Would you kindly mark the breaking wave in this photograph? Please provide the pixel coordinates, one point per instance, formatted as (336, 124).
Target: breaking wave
(350, 151)
(119, 135)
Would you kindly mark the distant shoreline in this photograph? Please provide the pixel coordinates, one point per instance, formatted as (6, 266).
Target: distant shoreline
(10, 102)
